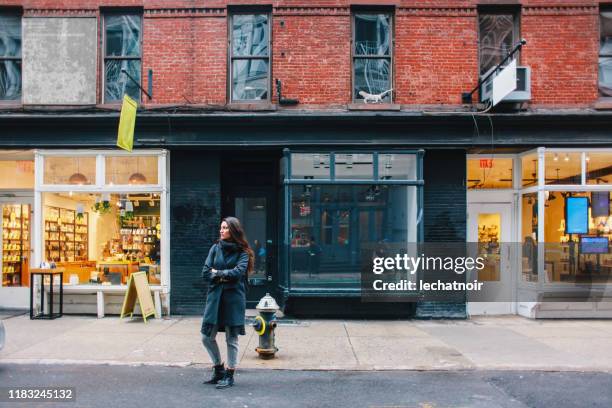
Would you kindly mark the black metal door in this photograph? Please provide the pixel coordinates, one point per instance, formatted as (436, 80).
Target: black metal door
(250, 194)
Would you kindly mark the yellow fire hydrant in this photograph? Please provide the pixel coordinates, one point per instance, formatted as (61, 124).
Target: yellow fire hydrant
(264, 325)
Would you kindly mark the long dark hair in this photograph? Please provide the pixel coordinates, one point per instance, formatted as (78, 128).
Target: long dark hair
(238, 236)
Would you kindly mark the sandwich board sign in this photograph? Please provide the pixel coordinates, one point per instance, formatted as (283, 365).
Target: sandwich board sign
(138, 288)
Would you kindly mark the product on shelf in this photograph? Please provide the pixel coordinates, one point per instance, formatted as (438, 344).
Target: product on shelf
(66, 235)
(15, 243)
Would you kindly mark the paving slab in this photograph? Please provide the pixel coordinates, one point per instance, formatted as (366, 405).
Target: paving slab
(418, 353)
(500, 347)
(74, 346)
(385, 329)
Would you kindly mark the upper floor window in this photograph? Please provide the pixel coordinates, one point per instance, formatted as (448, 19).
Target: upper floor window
(250, 57)
(498, 32)
(605, 53)
(372, 56)
(122, 51)
(10, 57)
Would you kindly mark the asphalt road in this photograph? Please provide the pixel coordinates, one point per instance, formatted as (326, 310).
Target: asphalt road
(146, 386)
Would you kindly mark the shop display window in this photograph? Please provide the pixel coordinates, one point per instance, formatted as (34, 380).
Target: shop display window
(103, 238)
(529, 237)
(132, 170)
(563, 167)
(583, 257)
(489, 173)
(393, 166)
(354, 166)
(17, 174)
(310, 166)
(359, 205)
(336, 229)
(598, 168)
(70, 170)
(529, 170)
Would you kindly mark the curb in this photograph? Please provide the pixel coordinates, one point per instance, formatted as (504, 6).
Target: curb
(185, 364)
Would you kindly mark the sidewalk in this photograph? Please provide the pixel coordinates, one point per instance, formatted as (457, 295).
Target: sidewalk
(505, 343)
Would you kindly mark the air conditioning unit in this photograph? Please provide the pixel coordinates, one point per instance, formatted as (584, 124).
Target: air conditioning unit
(523, 86)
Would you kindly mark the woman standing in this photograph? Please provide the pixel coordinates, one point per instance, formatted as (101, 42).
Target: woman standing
(226, 269)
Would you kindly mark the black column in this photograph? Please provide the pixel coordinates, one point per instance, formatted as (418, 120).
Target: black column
(195, 202)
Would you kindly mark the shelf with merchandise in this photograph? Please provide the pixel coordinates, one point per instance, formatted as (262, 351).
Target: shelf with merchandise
(15, 244)
(67, 234)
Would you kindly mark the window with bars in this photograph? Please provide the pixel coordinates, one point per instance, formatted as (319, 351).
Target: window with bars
(372, 56)
(250, 57)
(498, 32)
(122, 51)
(605, 52)
(10, 57)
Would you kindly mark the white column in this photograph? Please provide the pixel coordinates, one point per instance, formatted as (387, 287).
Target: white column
(541, 203)
(38, 222)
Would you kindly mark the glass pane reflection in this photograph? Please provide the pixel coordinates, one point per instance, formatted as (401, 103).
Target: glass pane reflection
(250, 79)
(250, 35)
(335, 229)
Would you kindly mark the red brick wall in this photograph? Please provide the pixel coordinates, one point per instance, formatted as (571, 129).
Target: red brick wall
(562, 47)
(436, 56)
(312, 58)
(188, 58)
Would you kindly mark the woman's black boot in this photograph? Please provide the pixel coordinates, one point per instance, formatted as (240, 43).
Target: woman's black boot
(218, 374)
(228, 379)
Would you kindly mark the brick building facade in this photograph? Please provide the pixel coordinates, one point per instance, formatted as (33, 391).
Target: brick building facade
(212, 68)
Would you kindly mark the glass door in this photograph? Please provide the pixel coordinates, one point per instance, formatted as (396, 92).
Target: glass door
(336, 234)
(254, 211)
(15, 249)
(489, 230)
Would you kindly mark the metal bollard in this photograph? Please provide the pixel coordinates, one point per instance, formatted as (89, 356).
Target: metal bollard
(264, 326)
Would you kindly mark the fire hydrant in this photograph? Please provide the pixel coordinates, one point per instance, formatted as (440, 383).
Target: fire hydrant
(264, 326)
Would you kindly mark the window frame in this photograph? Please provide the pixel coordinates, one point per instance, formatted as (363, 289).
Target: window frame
(231, 57)
(603, 8)
(516, 29)
(390, 57)
(15, 13)
(118, 12)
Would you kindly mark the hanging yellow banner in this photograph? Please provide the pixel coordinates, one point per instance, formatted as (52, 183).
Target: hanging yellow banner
(125, 137)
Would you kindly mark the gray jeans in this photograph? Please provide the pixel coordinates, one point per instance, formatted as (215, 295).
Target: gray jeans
(210, 343)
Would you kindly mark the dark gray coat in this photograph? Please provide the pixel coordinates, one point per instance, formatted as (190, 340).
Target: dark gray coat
(226, 298)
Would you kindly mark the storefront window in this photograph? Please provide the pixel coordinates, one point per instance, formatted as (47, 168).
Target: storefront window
(354, 166)
(335, 229)
(131, 170)
(397, 166)
(529, 237)
(563, 167)
(489, 173)
(70, 170)
(102, 238)
(577, 237)
(310, 166)
(111, 225)
(529, 170)
(17, 174)
(598, 168)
